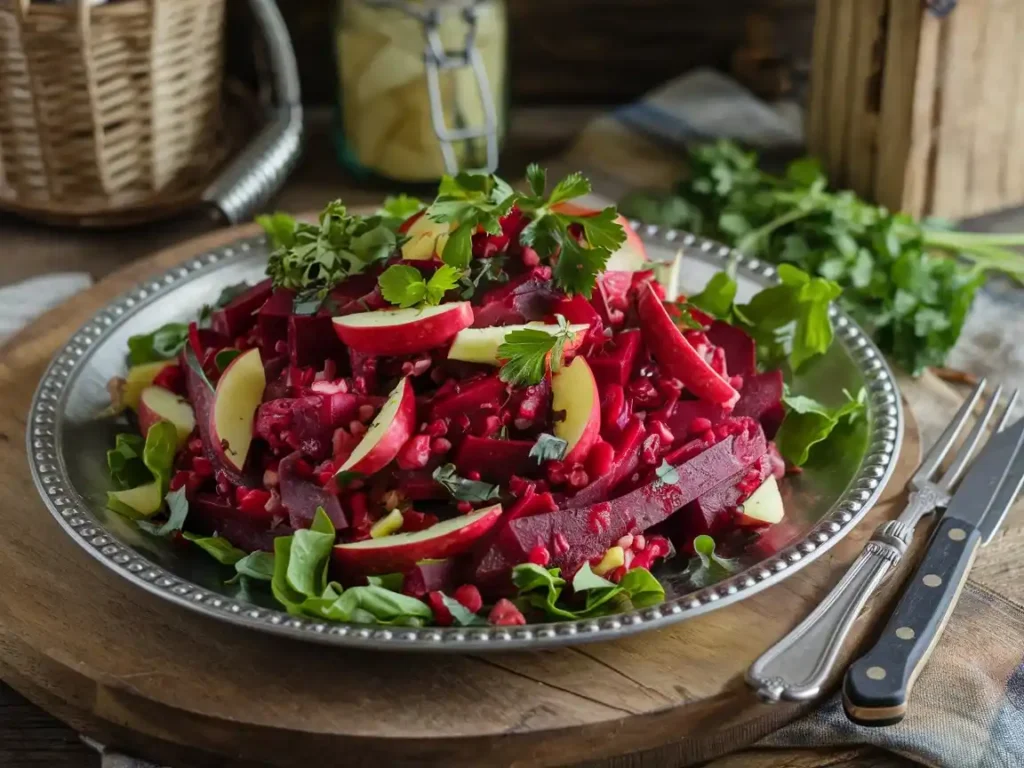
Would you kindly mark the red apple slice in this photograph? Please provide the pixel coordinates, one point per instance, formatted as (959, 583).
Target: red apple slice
(158, 404)
(239, 393)
(676, 355)
(387, 434)
(764, 506)
(480, 345)
(427, 238)
(631, 256)
(403, 331)
(138, 378)
(402, 551)
(574, 390)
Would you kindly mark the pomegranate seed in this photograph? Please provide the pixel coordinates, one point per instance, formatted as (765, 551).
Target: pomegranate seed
(658, 428)
(600, 459)
(415, 453)
(440, 446)
(539, 555)
(357, 428)
(195, 446)
(255, 500)
(699, 425)
(561, 544)
(442, 616)
(464, 507)
(240, 493)
(470, 597)
(555, 471)
(578, 478)
(530, 257)
(366, 412)
(617, 574)
(473, 475)
(202, 466)
(505, 614)
(436, 428)
(736, 382)
(179, 480)
(626, 542)
(644, 393)
(492, 424)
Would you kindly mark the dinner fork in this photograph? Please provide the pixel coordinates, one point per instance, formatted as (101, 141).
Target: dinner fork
(797, 666)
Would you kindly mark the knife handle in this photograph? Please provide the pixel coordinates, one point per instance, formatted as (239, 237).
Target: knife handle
(877, 685)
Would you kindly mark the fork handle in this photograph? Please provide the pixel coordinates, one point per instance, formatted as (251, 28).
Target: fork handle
(796, 667)
(878, 684)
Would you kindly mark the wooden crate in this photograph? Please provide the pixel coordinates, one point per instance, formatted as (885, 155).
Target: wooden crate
(918, 112)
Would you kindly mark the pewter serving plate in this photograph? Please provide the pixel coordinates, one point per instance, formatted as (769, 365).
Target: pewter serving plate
(68, 440)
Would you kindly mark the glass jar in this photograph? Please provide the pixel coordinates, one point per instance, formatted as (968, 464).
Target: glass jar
(423, 86)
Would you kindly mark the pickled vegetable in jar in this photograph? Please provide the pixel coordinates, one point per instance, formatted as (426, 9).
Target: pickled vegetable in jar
(422, 86)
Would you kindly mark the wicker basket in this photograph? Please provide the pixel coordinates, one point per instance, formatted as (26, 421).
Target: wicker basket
(107, 106)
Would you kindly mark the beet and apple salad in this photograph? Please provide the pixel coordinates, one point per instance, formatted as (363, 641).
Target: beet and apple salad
(485, 408)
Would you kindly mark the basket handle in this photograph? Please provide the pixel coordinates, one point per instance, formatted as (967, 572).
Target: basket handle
(259, 170)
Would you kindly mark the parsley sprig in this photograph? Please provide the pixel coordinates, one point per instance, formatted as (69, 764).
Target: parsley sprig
(313, 258)
(404, 285)
(468, 202)
(553, 233)
(526, 352)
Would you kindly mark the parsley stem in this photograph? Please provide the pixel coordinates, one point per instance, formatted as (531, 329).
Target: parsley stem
(751, 241)
(954, 240)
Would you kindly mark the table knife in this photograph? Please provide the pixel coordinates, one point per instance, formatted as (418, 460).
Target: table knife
(877, 686)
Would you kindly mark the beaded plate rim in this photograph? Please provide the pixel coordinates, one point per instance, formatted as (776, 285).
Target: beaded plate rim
(44, 439)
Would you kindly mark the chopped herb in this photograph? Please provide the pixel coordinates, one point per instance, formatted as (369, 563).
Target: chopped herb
(808, 423)
(177, 505)
(162, 344)
(463, 489)
(526, 353)
(483, 273)
(667, 474)
(223, 358)
(707, 567)
(548, 448)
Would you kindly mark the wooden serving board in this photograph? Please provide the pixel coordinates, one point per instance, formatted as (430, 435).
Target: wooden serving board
(127, 669)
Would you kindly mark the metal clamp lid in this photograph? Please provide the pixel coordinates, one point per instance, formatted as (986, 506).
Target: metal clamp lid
(438, 59)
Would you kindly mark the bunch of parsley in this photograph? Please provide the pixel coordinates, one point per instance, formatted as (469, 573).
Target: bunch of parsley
(897, 276)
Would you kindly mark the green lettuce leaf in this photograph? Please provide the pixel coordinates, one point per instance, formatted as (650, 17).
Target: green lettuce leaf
(707, 567)
(162, 344)
(809, 423)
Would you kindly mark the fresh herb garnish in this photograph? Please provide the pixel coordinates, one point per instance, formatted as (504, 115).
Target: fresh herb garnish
(313, 258)
(124, 462)
(227, 295)
(897, 278)
(162, 344)
(193, 362)
(404, 285)
(460, 613)
(223, 358)
(718, 296)
(397, 209)
(548, 448)
(468, 202)
(525, 353)
(667, 474)
(684, 318)
(217, 547)
(483, 273)
(707, 567)
(177, 506)
(579, 263)
(463, 489)
(808, 423)
(542, 589)
(257, 565)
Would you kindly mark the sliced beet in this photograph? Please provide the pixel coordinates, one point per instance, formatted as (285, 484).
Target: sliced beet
(495, 460)
(483, 394)
(312, 340)
(712, 513)
(523, 299)
(419, 485)
(740, 350)
(272, 320)
(302, 497)
(627, 457)
(296, 423)
(761, 399)
(430, 575)
(573, 536)
(614, 364)
(577, 310)
(490, 568)
(239, 316)
(685, 412)
(210, 514)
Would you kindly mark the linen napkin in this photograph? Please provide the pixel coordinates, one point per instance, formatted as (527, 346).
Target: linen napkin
(23, 302)
(967, 708)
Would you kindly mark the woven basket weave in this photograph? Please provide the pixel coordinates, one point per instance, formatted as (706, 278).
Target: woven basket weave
(107, 106)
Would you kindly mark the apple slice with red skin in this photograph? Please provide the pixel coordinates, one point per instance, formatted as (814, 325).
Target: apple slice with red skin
(387, 434)
(574, 391)
(403, 331)
(426, 237)
(763, 507)
(239, 393)
(631, 256)
(676, 356)
(480, 345)
(158, 404)
(401, 551)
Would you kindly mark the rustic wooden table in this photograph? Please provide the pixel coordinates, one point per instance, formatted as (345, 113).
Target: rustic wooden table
(30, 737)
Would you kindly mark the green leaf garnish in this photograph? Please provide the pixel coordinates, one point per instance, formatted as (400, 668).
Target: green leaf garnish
(124, 461)
(463, 489)
(707, 567)
(177, 506)
(469, 201)
(525, 353)
(404, 285)
(162, 344)
(462, 615)
(217, 547)
(256, 565)
(808, 423)
(543, 588)
(667, 474)
(548, 448)
(223, 358)
(717, 297)
(397, 209)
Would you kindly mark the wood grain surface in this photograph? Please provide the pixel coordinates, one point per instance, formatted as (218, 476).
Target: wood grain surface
(180, 687)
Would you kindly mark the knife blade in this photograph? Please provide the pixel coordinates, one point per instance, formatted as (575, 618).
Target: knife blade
(877, 686)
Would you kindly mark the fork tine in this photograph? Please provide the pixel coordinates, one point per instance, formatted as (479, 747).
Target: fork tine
(1005, 418)
(974, 437)
(938, 452)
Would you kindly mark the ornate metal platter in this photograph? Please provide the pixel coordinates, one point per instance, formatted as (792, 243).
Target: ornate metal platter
(68, 440)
